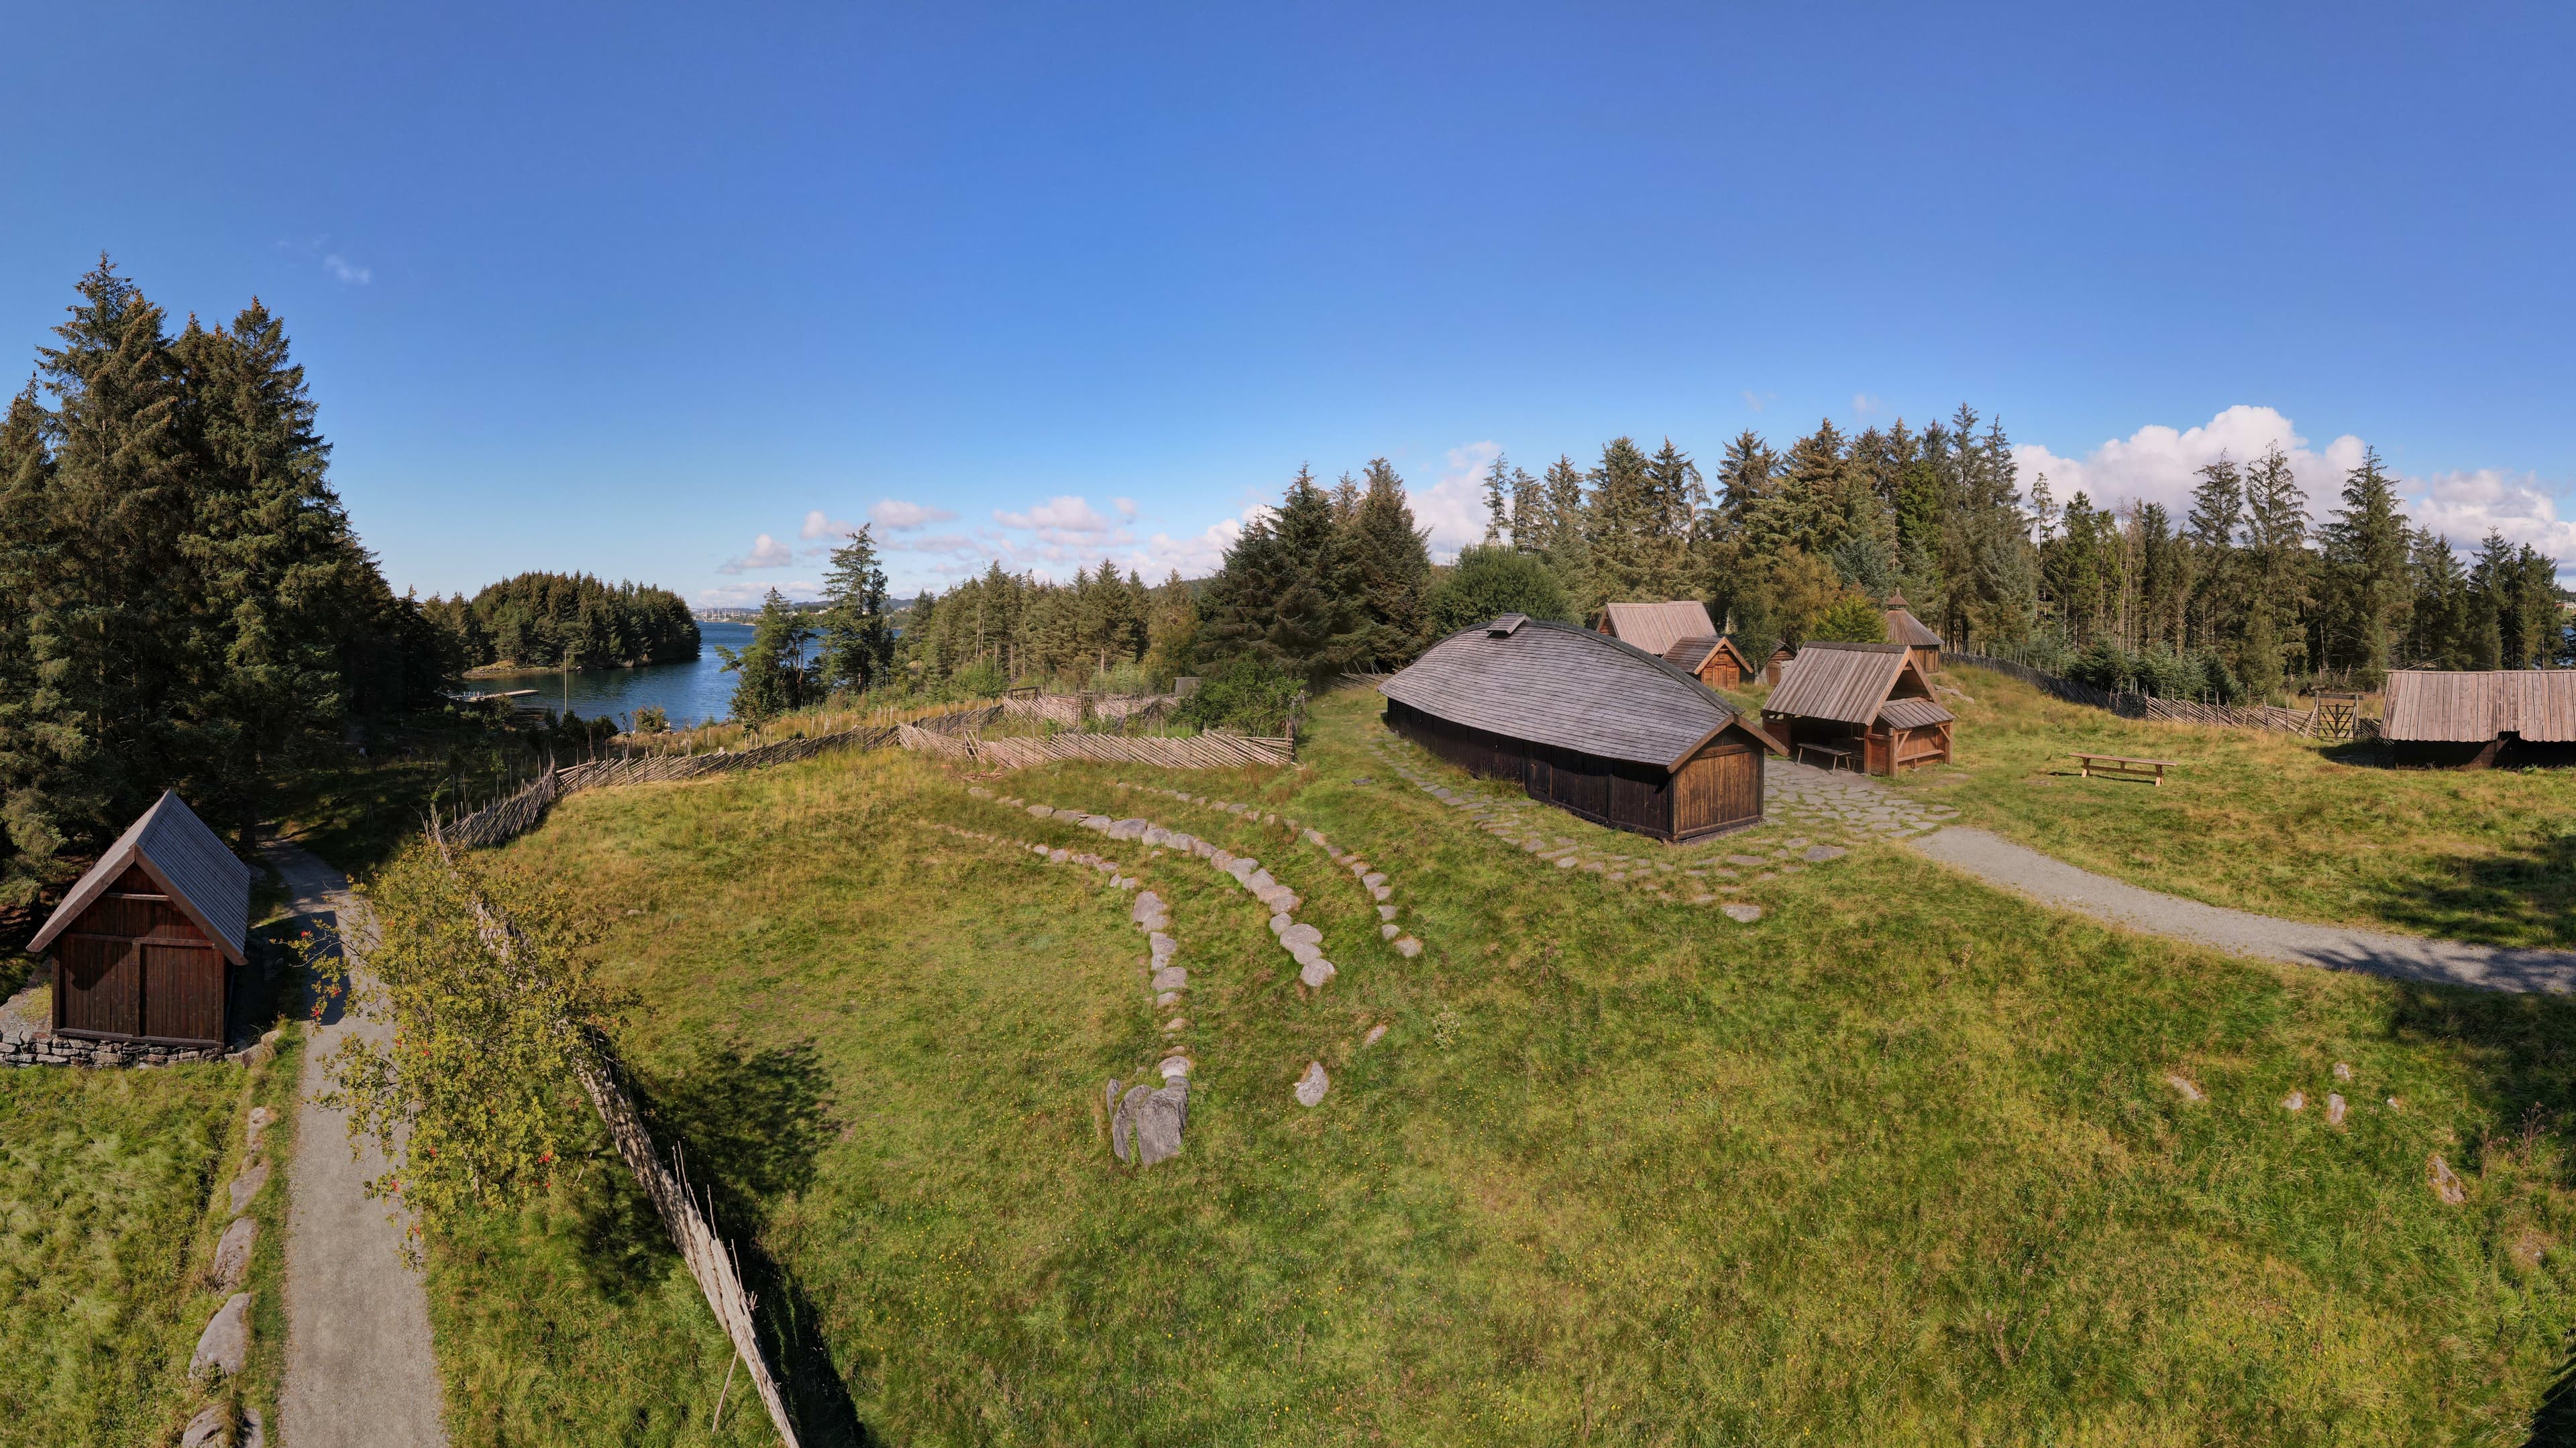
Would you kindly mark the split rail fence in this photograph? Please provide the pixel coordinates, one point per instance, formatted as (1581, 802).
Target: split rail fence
(2148, 706)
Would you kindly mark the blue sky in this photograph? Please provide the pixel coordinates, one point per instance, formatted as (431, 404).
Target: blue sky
(669, 292)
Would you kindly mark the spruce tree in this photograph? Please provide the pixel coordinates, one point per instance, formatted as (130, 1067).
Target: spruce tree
(1619, 528)
(856, 642)
(1389, 571)
(774, 667)
(1498, 496)
(2365, 553)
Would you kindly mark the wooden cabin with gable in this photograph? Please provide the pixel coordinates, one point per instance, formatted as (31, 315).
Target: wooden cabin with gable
(147, 944)
(1782, 655)
(1585, 722)
(1656, 627)
(1862, 706)
(1919, 642)
(2475, 720)
(1713, 659)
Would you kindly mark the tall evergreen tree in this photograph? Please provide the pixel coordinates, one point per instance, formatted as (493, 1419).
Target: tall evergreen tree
(2365, 555)
(1498, 497)
(1389, 571)
(1282, 597)
(857, 642)
(775, 666)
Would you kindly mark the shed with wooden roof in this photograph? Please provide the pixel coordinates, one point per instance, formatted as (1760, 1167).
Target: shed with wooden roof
(2477, 719)
(1586, 722)
(1867, 706)
(1904, 629)
(1713, 659)
(1782, 655)
(147, 944)
(1656, 627)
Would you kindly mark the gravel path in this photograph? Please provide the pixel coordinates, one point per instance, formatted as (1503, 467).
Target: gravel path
(1998, 861)
(359, 1373)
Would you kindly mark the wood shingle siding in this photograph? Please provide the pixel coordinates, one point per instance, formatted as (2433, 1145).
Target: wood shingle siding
(1586, 722)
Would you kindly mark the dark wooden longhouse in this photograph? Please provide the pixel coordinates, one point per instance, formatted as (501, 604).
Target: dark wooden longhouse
(1594, 726)
(2475, 720)
(146, 944)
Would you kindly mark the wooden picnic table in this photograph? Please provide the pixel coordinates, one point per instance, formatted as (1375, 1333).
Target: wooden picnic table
(2120, 766)
(1842, 753)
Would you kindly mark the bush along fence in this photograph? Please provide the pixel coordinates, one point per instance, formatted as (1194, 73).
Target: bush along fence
(2148, 706)
(711, 1261)
(509, 818)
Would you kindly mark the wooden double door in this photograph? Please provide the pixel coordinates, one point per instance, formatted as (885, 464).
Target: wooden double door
(149, 990)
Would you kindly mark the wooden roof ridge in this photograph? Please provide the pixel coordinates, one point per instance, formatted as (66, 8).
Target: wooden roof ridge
(1845, 682)
(2473, 706)
(1654, 626)
(1905, 628)
(1545, 682)
(204, 880)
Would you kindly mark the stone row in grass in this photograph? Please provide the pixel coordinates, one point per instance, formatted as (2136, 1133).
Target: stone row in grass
(223, 1347)
(1303, 942)
(2438, 1175)
(1145, 1122)
(1381, 890)
(1661, 878)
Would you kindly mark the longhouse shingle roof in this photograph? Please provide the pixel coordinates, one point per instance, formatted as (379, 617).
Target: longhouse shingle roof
(2428, 706)
(1845, 682)
(204, 879)
(1656, 627)
(1553, 683)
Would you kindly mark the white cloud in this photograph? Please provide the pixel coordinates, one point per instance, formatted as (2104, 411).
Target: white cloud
(1864, 403)
(818, 524)
(749, 595)
(766, 552)
(2158, 464)
(338, 266)
(1760, 400)
(2465, 506)
(1126, 508)
(1454, 507)
(897, 516)
(1066, 514)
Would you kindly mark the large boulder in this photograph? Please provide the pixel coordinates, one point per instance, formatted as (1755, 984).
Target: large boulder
(232, 1253)
(1147, 906)
(1122, 1122)
(247, 1185)
(1160, 1119)
(1312, 1086)
(1301, 931)
(225, 1344)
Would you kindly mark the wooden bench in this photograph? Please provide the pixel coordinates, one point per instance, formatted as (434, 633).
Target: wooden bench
(2121, 767)
(1847, 756)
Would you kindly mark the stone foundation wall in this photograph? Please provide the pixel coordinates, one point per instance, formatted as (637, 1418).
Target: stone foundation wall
(50, 1050)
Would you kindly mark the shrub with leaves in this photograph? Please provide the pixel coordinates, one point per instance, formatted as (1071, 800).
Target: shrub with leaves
(1247, 697)
(496, 1011)
(1854, 619)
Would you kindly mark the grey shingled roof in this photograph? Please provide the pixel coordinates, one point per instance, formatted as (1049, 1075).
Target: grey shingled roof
(173, 846)
(1838, 681)
(1553, 683)
(1656, 627)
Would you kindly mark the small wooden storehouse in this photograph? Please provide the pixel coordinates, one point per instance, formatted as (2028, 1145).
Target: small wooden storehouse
(2475, 720)
(1921, 643)
(1781, 657)
(1711, 658)
(1587, 723)
(1656, 627)
(146, 944)
(1866, 706)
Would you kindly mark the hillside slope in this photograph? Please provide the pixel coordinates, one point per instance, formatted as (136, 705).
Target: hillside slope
(1898, 1162)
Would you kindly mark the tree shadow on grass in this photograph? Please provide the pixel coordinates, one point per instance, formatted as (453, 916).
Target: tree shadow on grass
(748, 1126)
(2474, 898)
(2519, 1051)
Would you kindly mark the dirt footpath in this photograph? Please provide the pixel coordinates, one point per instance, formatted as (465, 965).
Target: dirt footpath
(359, 1373)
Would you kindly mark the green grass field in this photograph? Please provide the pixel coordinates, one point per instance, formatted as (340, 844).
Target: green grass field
(1897, 1163)
(111, 1198)
(2270, 822)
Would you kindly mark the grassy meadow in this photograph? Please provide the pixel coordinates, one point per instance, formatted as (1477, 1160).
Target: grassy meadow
(112, 1193)
(2270, 822)
(1896, 1163)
